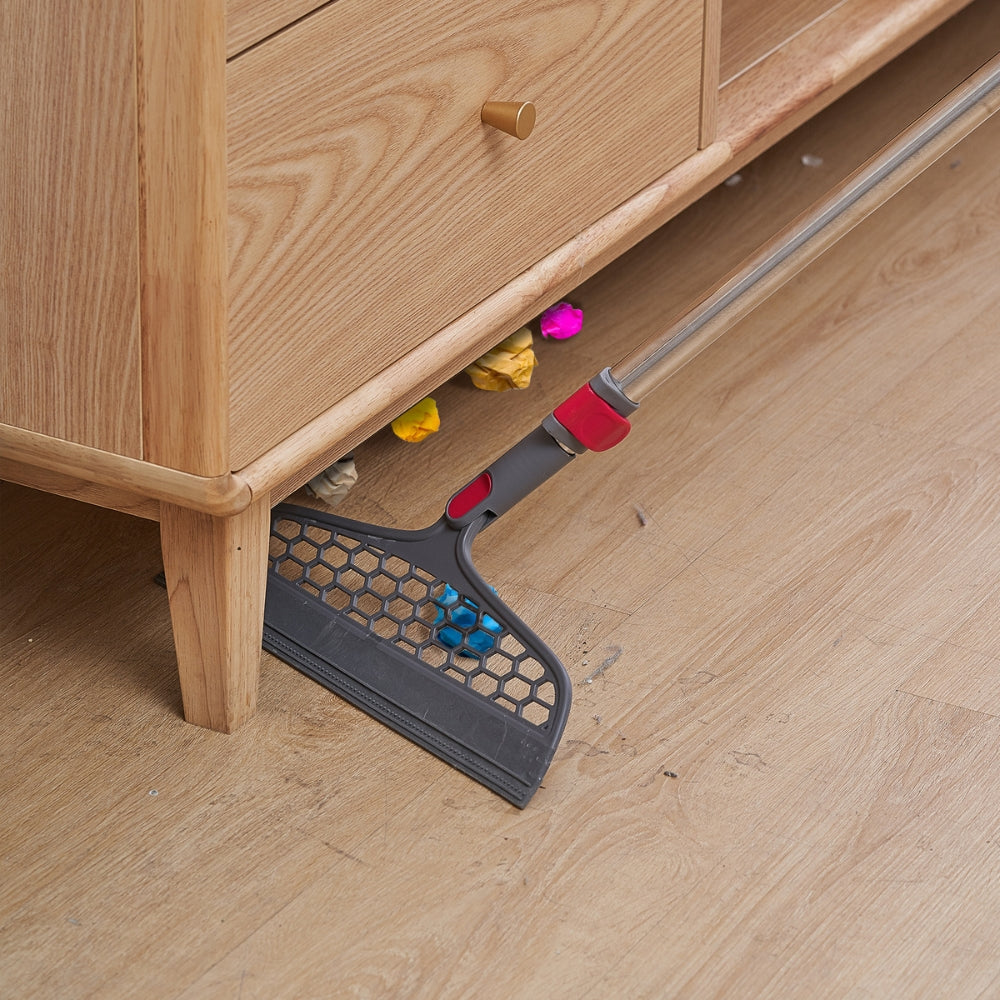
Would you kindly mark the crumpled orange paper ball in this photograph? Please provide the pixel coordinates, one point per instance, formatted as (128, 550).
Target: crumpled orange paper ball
(508, 366)
(418, 422)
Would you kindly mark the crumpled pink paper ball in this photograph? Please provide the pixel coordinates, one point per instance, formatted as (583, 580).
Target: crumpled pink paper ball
(561, 321)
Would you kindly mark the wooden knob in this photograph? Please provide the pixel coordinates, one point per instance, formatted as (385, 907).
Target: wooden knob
(516, 118)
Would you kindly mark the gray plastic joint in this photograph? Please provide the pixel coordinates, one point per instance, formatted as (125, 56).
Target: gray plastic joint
(562, 437)
(606, 386)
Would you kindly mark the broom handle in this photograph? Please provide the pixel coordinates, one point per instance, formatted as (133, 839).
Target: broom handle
(595, 416)
(813, 232)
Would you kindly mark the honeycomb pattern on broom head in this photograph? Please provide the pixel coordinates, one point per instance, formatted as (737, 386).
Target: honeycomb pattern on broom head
(405, 605)
(414, 636)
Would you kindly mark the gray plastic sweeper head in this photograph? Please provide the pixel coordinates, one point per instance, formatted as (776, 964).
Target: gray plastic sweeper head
(401, 625)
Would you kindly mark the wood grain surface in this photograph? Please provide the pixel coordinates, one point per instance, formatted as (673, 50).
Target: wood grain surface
(369, 205)
(69, 307)
(214, 569)
(752, 31)
(819, 64)
(711, 57)
(185, 370)
(250, 21)
(775, 601)
(226, 494)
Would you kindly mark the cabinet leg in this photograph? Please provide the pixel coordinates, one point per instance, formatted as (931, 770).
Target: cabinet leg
(216, 570)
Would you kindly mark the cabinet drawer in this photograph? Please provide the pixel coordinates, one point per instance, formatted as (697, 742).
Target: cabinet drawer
(369, 205)
(248, 21)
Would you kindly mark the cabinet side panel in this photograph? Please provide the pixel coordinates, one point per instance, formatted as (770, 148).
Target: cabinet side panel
(69, 331)
(182, 179)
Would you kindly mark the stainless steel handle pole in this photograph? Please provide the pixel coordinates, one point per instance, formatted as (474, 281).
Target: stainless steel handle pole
(869, 187)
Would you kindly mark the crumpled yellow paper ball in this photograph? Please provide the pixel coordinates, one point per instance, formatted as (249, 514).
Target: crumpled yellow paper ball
(418, 422)
(507, 366)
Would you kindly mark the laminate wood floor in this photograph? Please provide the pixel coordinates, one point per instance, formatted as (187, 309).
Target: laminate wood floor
(778, 601)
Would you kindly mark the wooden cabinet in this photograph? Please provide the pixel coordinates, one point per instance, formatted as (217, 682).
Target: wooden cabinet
(239, 237)
(368, 203)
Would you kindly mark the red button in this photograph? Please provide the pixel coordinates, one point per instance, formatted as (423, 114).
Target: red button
(593, 422)
(468, 496)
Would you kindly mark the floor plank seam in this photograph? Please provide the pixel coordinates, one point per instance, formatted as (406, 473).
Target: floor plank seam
(921, 435)
(946, 642)
(200, 975)
(948, 704)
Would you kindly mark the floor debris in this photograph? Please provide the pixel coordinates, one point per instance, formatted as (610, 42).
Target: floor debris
(590, 678)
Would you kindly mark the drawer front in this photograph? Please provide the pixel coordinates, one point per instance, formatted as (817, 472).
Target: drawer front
(369, 205)
(249, 21)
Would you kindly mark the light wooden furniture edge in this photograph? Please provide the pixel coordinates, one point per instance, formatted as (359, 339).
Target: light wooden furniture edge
(285, 467)
(182, 234)
(775, 96)
(213, 519)
(195, 245)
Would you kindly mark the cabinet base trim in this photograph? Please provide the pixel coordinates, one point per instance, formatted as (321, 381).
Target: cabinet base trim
(124, 478)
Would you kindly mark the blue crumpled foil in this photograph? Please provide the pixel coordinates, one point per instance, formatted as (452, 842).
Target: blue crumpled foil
(461, 614)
